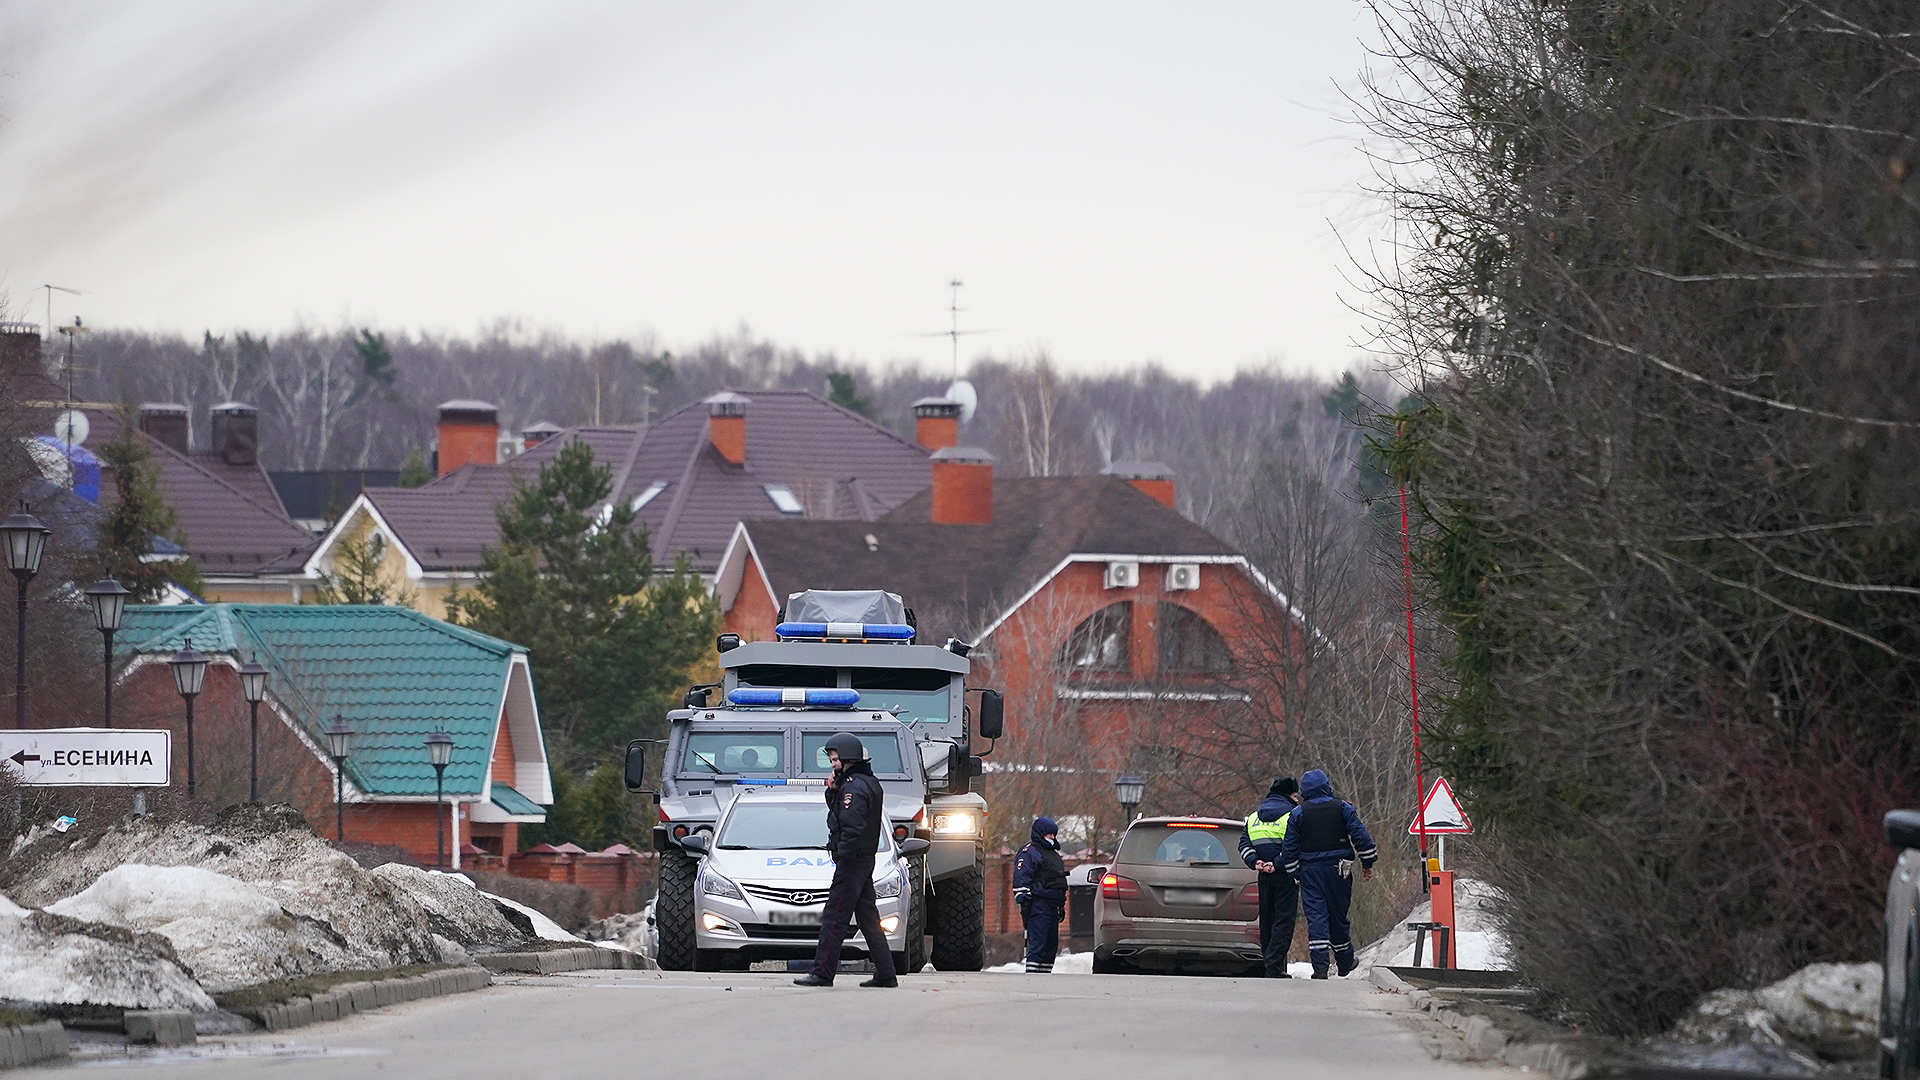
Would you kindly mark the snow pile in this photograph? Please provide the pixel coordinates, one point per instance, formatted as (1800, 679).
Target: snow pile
(456, 910)
(338, 914)
(63, 961)
(632, 931)
(1478, 943)
(1827, 1011)
(1064, 963)
(543, 927)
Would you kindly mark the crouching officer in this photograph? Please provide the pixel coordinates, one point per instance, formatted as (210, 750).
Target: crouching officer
(1324, 838)
(1040, 888)
(856, 810)
(1279, 896)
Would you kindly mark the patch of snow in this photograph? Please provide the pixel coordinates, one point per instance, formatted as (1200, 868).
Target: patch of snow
(1478, 943)
(1065, 963)
(1829, 1010)
(11, 910)
(544, 927)
(47, 959)
(455, 909)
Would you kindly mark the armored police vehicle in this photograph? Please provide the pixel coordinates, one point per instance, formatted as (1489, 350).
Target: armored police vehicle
(764, 875)
(841, 661)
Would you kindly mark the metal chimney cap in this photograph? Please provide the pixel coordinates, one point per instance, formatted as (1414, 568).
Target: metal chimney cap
(964, 455)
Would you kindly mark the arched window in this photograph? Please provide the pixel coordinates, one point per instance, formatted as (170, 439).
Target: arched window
(1102, 641)
(1189, 645)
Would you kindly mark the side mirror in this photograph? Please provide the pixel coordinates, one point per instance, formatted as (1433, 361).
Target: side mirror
(912, 846)
(694, 843)
(636, 771)
(696, 698)
(993, 714)
(1095, 873)
(1903, 828)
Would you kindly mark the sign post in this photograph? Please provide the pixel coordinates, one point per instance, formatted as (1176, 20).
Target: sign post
(1442, 815)
(88, 757)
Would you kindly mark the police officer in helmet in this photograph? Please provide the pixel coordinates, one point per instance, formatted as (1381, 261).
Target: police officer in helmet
(1324, 839)
(856, 812)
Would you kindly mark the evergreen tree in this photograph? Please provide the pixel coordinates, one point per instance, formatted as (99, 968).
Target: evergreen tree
(359, 576)
(136, 515)
(842, 392)
(413, 471)
(572, 579)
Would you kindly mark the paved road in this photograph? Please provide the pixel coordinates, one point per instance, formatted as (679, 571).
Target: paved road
(618, 1025)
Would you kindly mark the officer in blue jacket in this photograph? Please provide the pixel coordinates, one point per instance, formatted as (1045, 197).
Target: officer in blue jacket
(1324, 839)
(1279, 896)
(1040, 888)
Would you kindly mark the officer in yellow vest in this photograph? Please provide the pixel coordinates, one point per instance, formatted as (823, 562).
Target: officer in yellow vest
(1279, 896)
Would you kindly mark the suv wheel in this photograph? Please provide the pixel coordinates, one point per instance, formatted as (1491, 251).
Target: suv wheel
(959, 916)
(673, 910)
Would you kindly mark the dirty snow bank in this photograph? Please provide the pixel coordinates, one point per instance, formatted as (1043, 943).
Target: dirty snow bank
(1829, 1011)
(543, 927)
(1479, 945)
(455, 908)
(62, 961)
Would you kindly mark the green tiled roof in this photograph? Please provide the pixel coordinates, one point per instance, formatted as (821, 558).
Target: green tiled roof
(394, 674)
(513, 802)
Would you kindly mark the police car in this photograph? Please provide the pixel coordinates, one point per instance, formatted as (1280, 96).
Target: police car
(763, 879)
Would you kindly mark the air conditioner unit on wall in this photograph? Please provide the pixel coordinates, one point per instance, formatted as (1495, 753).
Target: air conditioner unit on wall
(1123, 575)
(1182, 576)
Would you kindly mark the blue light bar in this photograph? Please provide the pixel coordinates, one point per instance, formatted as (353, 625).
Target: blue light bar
(793, 695)
(757, 781)
(845, 631)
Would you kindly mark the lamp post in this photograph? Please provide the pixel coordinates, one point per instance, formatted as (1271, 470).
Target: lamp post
(189, 673)
(25, 539)
(109, 600)
(339, 740)
(439, 752)
(1129, 789)
(253, 684)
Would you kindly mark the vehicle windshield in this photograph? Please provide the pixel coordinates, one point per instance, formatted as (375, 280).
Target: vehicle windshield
(918, 695)
(1180, 845)
(883, 753)
(767, 828)
(733, 752)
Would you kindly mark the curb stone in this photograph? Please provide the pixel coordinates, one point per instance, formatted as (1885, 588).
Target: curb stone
(29, 1044)
(1484, 1041)
(554, 961)
(349, 998)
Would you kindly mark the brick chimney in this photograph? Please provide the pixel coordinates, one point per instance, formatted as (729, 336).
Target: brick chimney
(236, 432)
(534, 434)
(1149, 476)
(727, 425)
(166, 422)
(962, 486)
(936, 423)
(469, 434)
(19, 351)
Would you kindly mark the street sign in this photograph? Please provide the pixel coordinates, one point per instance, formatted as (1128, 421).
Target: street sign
(88, 757)
(1441, 812)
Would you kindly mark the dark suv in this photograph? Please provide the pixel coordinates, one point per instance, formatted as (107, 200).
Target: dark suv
(1178, 900)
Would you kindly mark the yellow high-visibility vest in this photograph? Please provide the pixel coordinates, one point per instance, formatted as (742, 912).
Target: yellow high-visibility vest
(1267, 832)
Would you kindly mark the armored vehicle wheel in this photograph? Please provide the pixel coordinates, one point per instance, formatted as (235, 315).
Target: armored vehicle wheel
(673, 910)
(959, 916)
(914, 957)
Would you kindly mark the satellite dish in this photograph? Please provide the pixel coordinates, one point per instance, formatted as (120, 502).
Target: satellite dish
(962, 391)
(71, 427)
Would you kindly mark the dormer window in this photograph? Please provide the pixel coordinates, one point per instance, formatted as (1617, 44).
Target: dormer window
(648, 495)
(783, 499)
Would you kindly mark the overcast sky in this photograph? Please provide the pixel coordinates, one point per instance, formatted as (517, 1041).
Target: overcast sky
(1113, 182)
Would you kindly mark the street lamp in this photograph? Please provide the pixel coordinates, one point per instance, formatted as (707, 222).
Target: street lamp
(109, 600)
(189, 672)
(1129, 789)
(339, 740)
(253, 684)
(25, 539)
(439, 752)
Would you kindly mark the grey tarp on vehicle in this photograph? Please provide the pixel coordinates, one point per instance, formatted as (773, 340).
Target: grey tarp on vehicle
(849, 606)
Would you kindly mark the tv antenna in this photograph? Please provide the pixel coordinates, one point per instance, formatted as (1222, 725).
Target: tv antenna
(51, 289)
(953, 332)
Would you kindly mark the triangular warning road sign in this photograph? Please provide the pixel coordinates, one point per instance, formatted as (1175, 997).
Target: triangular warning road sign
(1441, 812)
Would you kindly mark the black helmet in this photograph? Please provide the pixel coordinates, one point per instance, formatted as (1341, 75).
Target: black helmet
(847, 746)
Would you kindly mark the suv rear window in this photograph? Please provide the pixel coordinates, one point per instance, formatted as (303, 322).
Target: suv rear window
(1181, 845)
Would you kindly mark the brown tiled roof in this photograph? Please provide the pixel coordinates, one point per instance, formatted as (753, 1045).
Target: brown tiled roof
(837, 463)
(957, 578)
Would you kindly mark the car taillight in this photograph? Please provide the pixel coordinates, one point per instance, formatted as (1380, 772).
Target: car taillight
(1115, 887)
(1250, 894)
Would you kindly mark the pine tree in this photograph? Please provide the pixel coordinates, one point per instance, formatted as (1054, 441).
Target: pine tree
(359, 576)
(137, 514)
(413, 471)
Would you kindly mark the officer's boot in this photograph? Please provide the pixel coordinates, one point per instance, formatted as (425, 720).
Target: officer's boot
(1343, 956)
(1318, 957)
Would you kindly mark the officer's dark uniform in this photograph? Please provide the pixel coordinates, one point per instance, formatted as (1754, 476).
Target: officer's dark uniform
(1279, 896)
(1040, 888)
(1323, 839)
(856, 811)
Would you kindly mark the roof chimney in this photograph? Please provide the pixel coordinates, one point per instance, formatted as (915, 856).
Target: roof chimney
(936, 422)
(236, 432)
(727, 425)
(1149, 476)
(534, 434)
(166, 422)
(19, 349)
(469, 434)
(962, 486)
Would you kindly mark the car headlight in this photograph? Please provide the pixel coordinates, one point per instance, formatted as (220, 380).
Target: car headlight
(956, 825)
(714, 885)
(889, 885)
(889, 924)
